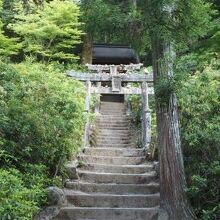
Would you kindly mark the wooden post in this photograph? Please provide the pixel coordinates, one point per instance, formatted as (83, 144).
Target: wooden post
(146, 117)
(87, 110)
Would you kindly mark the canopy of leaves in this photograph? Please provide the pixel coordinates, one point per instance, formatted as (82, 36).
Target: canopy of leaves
(114, 22)
(49, 31)
(8, 46)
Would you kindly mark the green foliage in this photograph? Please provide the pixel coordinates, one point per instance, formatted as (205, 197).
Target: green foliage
(18, 200)
(8, 46)
(136, 106)
(41, 126)
(179, 21)
(114, 22)
(50, 31)
(200, 118)
(41, 115)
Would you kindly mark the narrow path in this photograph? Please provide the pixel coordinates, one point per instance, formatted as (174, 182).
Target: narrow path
(117, 182)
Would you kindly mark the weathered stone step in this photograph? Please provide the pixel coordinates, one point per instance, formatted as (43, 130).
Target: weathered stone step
(125, 169)
(113, 141)
(115, 152)
(79, 213)
(111, 113)
(107, 109)
(110, 119)
(114, 145)
(114, 117)
(113, 137)
(121, 121)
(113, 188)
(109, 126)
(117, 120)
(114, 125)
(103, 142)
(107, 129)
(95, 177)
(114, 201)
(112, 160)
(113, 122)
(114, 132)
(113, 105)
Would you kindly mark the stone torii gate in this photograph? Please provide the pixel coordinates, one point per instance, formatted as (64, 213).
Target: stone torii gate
(118, 77)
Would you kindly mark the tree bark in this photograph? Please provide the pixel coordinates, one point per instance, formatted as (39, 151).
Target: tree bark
(87, 50)
(172, 178)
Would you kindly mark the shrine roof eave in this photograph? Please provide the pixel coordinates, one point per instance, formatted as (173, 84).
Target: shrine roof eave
(95, 77)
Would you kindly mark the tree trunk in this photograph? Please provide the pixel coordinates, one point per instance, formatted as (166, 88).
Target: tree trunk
(87, 50)
(134, 3)
(174, 202)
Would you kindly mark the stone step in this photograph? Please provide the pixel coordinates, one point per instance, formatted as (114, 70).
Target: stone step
(118, 178)
(113, 122)
(112, 160)
(114, 117)
(107, 142)
(105, 112)
(114, 145)
(113, 137)
(125, 169)
(115, 152)
(112, 103)
(117, 120)
(107, 129)
(110, 126)
(119, 132)
(111, 106)
(113, 188)
(114, 132)
(112, 111)
(107, 109)
(94, 213)
(114, 201)
(103, 142)
(114, 125)
(113, 140)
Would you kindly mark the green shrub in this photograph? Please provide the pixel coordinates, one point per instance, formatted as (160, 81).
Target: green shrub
(41, 116)
(16, 200)
(199, 101)
(49, 31)
(41, 126)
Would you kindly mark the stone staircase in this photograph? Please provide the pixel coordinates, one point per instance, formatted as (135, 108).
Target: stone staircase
(116, 182)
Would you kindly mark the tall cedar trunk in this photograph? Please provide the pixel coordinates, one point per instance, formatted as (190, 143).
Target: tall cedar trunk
(87, 49)
(174, 202)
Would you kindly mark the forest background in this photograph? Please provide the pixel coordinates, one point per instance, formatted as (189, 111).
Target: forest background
(42, 111)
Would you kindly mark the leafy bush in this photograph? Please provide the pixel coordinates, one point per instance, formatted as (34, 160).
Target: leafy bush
(41, 126)
(8, 46)
(49, 31)
(16, 200)
(41, 115)
(199, 101)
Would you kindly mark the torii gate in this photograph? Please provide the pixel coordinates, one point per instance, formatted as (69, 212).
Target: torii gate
(117, 76)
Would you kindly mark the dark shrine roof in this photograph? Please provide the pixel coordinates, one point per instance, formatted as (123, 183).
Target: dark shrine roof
(114, 54)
